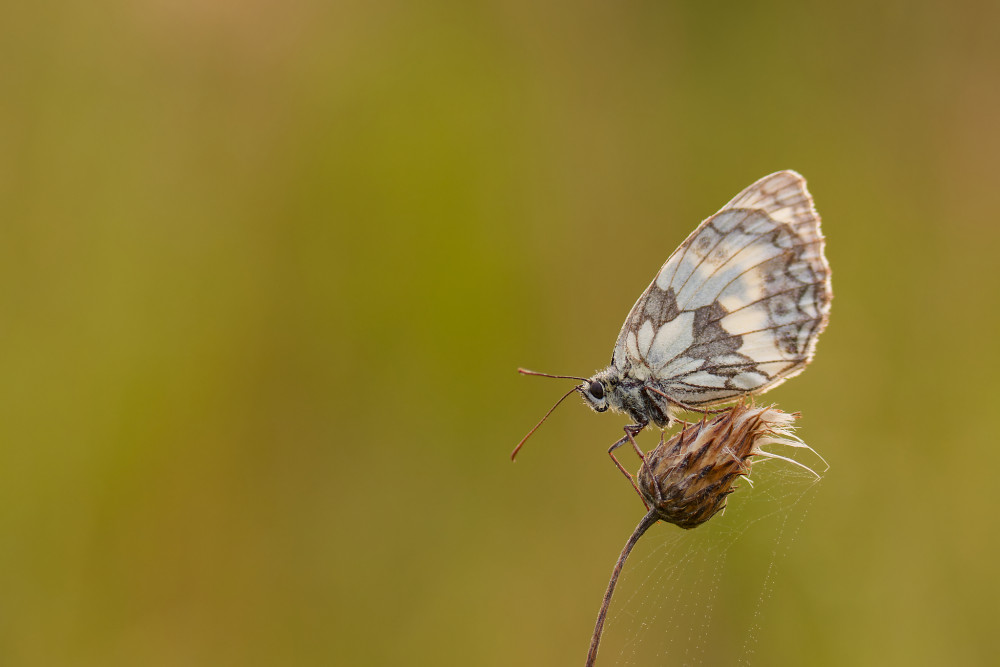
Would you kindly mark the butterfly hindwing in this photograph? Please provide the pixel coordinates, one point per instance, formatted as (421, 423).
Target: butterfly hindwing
(738, 306)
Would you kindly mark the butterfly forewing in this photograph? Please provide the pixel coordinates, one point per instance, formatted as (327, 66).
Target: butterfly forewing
(737, 308)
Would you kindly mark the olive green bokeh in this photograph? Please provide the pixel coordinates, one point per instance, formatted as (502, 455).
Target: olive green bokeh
(268, 270)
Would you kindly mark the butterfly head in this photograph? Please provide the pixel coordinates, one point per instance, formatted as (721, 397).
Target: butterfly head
(597, 391)
(594, 394)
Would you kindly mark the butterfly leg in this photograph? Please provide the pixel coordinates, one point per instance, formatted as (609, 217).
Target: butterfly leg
(630, 432)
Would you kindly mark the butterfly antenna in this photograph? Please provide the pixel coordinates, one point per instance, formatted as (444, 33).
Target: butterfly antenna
(525, 371)
(565, 396)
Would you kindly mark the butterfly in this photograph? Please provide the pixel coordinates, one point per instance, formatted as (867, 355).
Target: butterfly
(736, 310)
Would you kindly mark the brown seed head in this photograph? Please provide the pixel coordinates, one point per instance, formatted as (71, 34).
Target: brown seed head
(686, 479)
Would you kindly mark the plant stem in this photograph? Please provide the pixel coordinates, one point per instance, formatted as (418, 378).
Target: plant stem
(595, 641)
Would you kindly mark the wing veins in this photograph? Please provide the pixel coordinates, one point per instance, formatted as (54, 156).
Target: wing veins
(749, 363)
(793, 202)
(751, 268)
(773, 326)
(762, 299)
(722, 237)
(753, 240)
(735, 278)
(713, 340)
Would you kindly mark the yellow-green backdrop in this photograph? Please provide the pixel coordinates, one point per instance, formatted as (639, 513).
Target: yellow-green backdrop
(267, 270)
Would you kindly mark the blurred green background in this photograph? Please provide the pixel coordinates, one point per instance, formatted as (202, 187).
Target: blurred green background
(268, 270)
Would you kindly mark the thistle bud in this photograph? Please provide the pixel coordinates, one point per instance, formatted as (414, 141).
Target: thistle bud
(686, 479)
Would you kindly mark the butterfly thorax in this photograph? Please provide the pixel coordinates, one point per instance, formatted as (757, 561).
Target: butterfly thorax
(623, 393)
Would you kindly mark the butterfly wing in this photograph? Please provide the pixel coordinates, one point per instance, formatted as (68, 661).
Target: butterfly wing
(737, 308)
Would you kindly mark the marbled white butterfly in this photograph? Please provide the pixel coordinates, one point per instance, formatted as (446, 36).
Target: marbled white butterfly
(734, 311)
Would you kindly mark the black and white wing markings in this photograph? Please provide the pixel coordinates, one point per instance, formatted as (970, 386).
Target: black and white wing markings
(737, 308)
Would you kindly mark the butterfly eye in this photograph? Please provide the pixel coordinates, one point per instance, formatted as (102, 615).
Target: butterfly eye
(596, 390)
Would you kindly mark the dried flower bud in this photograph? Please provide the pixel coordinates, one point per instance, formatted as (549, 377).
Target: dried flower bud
(686, 479)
